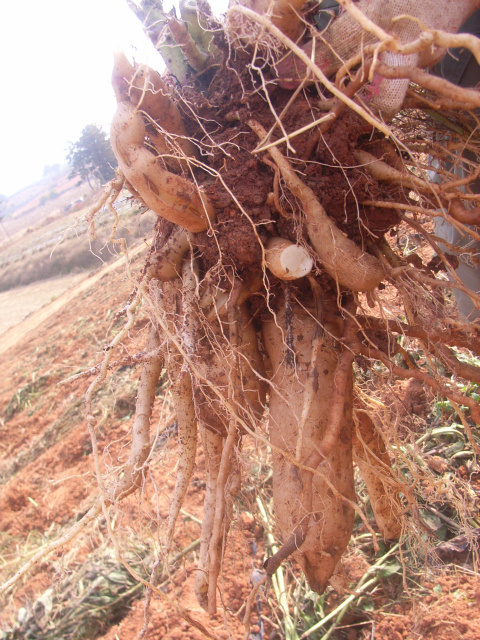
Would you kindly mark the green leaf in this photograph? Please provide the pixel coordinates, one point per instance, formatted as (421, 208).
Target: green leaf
(390, 569)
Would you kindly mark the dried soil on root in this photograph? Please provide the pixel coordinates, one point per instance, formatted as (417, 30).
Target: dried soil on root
(331, 170)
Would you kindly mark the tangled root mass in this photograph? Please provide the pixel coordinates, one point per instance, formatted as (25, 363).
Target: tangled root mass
(271, 276)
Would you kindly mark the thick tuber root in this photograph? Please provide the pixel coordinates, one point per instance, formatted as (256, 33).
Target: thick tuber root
(212, 446)
(170, 196)
(165, 263)
(225, 355)
(340, 256)
(317, 520)
(233, 366)
(370, 455)
(144, 88)
(218, 362)
(181, 390)
(286, 260)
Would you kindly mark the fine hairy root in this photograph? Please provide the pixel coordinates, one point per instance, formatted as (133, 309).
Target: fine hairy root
(371, 457)
(140, 447)
(270, 295)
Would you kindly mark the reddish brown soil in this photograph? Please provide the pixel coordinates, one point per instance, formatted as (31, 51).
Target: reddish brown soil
(328, 167)
(448, 610)
(48, 480)
(58, 483)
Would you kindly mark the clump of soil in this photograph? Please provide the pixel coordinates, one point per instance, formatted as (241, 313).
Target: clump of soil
(246, 212)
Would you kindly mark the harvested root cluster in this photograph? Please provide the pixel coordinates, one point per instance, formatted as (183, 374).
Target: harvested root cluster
(279, 205)
(263, 262)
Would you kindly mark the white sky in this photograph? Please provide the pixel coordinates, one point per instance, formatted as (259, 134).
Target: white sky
(55, 62)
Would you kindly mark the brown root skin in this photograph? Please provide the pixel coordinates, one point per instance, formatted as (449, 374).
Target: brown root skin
(170, 196)
(166, 262)
(234, 366)
(370, 455)
(181, 390)
(382, 171)
(304, 504)
(340, 256)
(216, 305)
(212, 446)
(218, 364)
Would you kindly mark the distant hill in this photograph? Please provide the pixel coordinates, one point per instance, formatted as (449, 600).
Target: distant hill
(54, 192)
(43, 232)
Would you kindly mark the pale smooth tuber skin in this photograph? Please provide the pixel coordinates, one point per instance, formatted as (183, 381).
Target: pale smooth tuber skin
(286, 260)
(304, 502)
(371, 457)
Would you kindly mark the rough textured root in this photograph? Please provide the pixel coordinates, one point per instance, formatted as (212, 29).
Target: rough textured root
(177, 296)
(217, 361)
(305, 504)
(216, 369)
(212, 446)
(231, 365)
(170, 196)
(371, 457)
(340, 256)
(140, 447)
(165, 263)
(228, 484)
(382, 171)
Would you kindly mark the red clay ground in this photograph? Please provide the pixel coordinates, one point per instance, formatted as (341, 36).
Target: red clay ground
(47, 473)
